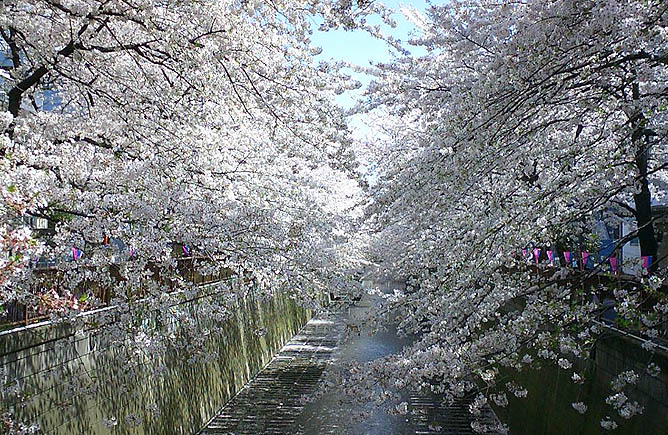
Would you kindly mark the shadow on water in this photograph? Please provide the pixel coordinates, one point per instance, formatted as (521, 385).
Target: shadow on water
(548, 410)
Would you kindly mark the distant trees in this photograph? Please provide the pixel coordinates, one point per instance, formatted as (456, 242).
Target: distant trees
(522, 119)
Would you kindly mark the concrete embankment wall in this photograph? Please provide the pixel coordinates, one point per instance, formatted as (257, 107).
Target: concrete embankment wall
(547, 408)
(75, 382)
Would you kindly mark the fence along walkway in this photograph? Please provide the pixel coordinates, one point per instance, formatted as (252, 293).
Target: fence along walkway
(273, 402)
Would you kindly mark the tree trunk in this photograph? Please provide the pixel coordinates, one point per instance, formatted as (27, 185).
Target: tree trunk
(643, 206)
(643, 199)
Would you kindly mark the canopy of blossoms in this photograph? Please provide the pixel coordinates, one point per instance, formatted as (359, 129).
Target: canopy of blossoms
(147, 131)
(524, 125)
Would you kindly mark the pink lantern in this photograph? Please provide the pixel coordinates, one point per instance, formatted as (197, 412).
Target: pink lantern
(550, 256)
(536, 254)
(567, 257)
(613, 264)
(646, 261)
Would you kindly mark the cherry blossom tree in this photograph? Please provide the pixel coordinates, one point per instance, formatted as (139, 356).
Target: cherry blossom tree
(162, 140)
(524, 123)
(144, 131)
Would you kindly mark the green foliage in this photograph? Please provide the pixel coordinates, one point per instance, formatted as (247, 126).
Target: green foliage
(592, 242)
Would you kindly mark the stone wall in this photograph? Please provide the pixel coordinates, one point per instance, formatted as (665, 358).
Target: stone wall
(70, 382)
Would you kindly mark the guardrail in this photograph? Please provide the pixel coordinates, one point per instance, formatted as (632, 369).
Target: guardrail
(53, 296)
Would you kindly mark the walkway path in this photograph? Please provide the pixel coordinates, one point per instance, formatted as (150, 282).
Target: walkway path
(273, 402)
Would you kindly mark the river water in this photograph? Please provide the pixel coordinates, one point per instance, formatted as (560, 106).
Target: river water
(334, 413)
(546, 410)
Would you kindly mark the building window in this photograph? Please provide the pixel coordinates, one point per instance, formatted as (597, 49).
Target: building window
(39, 223)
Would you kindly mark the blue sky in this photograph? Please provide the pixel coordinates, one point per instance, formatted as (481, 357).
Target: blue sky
(359, 48)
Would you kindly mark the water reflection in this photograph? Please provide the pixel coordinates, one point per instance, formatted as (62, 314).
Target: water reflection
(334, 413)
